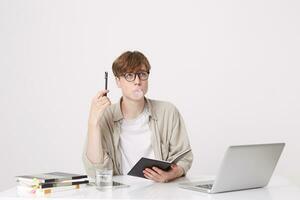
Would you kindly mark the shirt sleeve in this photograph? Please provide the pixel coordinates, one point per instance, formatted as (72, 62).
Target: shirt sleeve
(179, 142)
(91, 167)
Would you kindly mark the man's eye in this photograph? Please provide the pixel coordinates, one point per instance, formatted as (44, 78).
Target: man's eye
(143, 74)
(130, 75)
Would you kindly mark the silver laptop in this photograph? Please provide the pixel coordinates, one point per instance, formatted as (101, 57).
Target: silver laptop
(243, 167)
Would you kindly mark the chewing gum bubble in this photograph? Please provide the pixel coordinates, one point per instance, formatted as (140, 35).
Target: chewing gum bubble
(138, 93)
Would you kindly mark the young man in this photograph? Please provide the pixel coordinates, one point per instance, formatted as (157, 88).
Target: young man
(120, 134)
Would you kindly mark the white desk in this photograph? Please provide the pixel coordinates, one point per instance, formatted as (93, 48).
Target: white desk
(279, 188)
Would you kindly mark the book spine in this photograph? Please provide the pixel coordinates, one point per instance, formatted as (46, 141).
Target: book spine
(79, 177)
(58, 189)
(51, 185)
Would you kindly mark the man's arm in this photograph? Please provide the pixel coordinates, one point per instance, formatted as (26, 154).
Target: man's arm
(94, 143)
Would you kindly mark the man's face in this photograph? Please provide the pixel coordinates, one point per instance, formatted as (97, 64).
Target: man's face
(133, 85)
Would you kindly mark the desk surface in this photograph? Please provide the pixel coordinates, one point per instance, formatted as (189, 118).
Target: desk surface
(279, 188)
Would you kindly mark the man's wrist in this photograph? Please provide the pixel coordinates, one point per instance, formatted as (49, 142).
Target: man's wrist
(93, 123)
(93, 128)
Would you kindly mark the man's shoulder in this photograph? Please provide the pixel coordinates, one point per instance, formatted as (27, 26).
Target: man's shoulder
(160, 103)
(162, 106)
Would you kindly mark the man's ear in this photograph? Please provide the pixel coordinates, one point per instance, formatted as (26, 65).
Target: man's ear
(118, 82)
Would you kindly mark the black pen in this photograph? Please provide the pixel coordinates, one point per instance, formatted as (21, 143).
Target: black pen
(106, 76)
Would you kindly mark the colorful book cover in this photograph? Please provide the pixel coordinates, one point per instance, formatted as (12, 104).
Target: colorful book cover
(23, 190)
(53, 184)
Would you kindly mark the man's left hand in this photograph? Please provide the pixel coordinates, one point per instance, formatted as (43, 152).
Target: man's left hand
(159, 175)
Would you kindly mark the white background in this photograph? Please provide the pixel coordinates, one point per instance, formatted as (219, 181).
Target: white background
(231, 68)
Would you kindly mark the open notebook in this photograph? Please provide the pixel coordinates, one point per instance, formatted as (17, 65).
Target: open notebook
(143, 163)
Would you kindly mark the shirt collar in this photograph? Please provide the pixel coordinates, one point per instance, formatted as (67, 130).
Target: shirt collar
(118, 115)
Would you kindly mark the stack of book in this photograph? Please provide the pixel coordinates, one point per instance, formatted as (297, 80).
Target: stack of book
(47, 183)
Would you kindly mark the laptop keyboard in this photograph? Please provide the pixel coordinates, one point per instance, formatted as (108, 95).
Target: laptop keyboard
(206, 186)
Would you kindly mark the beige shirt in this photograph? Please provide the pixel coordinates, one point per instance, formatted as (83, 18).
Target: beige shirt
(169, 137)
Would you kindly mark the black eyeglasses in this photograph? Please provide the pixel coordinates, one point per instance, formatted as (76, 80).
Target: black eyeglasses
(132, 76)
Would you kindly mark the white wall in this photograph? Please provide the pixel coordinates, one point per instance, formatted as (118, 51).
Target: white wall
(231, 67)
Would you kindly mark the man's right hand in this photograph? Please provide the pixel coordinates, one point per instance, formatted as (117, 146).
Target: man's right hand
(98, 105)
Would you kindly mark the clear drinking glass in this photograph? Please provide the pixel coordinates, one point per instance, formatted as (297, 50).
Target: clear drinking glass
(104, 178)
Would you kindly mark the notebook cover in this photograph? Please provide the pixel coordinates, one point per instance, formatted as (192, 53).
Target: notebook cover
(143, 163)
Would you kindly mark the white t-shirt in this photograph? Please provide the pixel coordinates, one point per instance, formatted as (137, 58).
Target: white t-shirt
(135, 141)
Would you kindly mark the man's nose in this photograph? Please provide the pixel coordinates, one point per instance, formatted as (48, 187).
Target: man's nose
(137, 80)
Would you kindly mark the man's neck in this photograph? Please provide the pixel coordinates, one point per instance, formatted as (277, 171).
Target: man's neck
(132, 109)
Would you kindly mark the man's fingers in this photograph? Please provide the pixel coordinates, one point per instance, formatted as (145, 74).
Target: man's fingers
(153, 174)
(104, 103)
(150, 176)
(147, 174)
(101, 93)
(158, 175)
(103, 99)
(157, 170)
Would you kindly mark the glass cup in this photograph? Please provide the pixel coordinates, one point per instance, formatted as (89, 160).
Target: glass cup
(104, 179)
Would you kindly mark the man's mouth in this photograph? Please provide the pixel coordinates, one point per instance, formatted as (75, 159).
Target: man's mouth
(138, 92)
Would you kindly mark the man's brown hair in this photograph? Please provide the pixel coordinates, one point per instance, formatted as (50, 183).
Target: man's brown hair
(130, 61)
